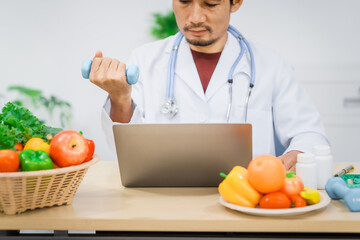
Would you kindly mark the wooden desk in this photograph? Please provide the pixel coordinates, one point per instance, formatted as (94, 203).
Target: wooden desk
(102, 204)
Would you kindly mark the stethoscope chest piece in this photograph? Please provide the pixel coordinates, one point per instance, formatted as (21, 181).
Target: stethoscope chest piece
(169, 108)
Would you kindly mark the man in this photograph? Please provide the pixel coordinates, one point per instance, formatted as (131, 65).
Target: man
(201, 88)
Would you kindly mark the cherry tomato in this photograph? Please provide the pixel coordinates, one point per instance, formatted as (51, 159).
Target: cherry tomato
(298, 201)
(293, 185)
(275, 200)
(9, 161)
(18, 147)
(91, 151)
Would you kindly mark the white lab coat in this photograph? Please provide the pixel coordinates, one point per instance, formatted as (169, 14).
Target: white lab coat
(277, 101)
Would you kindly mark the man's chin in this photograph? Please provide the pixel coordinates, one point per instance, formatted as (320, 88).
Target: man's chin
(200, 42)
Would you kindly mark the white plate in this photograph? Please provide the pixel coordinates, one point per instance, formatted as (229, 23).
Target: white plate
(324, 201)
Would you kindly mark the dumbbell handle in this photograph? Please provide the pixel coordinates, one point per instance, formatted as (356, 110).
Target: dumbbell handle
(132, 72)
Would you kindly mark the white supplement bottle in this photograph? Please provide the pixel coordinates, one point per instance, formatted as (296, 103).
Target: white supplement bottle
(306, 169)
(324, 164)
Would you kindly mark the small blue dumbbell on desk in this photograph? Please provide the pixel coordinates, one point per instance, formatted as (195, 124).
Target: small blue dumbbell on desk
(337, 189)
(132, 72)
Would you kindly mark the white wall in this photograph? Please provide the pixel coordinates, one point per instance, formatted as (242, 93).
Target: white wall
(43, 43)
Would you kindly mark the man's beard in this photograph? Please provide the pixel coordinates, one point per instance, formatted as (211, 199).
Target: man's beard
(200, 43)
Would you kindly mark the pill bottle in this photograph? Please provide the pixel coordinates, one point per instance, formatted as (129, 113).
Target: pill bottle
(306, 169)
(324, 164)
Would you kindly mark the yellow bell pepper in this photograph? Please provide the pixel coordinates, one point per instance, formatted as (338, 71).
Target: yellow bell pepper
(236, 189)
(36, 144)
(310, 195)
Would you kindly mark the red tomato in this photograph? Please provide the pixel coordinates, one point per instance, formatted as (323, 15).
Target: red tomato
(298, 201)
(293, 185)
(275, 200)
(9, 161)
(91, 151)
(18, 148)
(68, 148)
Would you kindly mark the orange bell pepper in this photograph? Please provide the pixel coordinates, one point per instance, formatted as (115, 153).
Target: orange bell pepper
(236, 189)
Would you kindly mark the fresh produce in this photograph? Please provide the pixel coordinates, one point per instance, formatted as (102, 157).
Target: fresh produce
(18, 147)
(68, 148)
(8, 139)
(310, 195)
(37, 144)
(91, 151)
(298, 201)
(32, 160)
(266, 173)
(236, 189)
(275, 200)
(20, 130)
(293, 185)
(9, 161)
(266, 184)
(18, 125)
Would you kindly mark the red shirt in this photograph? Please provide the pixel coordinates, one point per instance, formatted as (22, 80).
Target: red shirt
(205, 64)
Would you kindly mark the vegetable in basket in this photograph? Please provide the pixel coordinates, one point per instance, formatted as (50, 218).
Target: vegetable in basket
(37, 144)
(91, 151)
(32, 160)
(68, 148)
(9, 161)
(18, 125)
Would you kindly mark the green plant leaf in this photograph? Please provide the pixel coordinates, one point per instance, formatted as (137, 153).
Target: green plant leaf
(33, 93)
(164, 25)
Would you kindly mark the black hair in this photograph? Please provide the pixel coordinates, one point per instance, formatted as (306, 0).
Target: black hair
(231, 2)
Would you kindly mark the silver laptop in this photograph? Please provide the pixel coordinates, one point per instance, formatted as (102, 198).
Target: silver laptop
(180, 155)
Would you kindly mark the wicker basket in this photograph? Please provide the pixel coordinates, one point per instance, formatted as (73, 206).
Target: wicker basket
(22, 191)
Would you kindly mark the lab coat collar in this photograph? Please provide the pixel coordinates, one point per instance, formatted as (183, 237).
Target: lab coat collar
(186, 69)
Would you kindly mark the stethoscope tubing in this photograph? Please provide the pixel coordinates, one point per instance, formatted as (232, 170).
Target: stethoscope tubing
(170, 101)
(172, 64)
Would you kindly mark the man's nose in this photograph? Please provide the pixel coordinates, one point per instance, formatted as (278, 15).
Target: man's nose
(197, 14)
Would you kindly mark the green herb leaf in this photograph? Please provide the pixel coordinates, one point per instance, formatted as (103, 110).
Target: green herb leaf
(7, 138)
(22, 124)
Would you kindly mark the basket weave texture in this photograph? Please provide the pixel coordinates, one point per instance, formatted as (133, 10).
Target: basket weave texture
(22, 191)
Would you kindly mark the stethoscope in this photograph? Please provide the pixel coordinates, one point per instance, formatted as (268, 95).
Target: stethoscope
(170, 109)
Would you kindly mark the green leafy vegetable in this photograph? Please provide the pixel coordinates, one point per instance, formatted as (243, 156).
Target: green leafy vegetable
(19, 123)
(7, 138)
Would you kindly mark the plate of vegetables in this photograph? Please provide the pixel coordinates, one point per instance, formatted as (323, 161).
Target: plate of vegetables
(324, 201)
(266, 189)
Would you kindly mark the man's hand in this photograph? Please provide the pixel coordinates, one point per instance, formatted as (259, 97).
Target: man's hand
(289, 160)
(109, 74)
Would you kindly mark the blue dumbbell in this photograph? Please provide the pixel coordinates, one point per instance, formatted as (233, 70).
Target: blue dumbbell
(337, 189)
(132, 72)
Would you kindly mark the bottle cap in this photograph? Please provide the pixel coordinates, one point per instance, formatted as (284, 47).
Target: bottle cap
(321, 150)
(305, 158)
